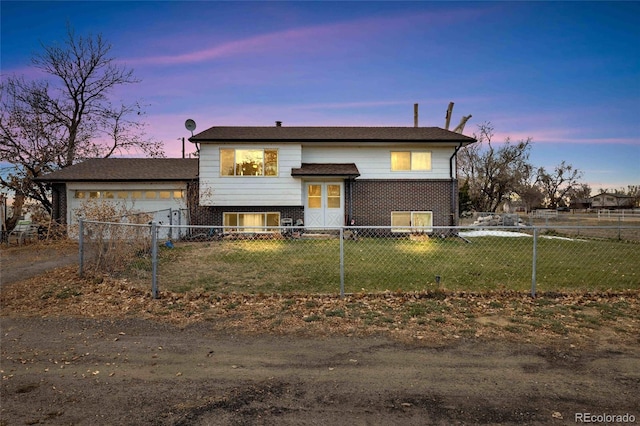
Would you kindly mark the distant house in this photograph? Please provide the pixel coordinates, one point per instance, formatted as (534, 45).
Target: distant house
(581, 204)
(157, 185)
(400, 177)
(607, 200)
(328, 176)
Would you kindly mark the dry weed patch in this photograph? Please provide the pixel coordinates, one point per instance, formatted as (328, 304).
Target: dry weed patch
(429, 316)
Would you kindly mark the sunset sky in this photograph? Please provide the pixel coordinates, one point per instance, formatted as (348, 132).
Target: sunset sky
(566, 74)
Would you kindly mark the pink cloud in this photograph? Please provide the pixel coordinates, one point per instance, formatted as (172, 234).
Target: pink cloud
(564, 135)
(311, 38)
(28, 72)
(557, 126)
(347, 105)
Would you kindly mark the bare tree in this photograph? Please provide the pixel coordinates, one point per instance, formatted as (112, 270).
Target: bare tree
(559, 183)
(579, 195)
(50, 124)
(634, 191)
(528, 188)
(630, 190)
(490, 172)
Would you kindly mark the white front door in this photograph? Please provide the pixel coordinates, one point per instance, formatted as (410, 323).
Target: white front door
(324, 204)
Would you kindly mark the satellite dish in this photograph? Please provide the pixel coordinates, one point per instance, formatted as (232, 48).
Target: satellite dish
(190, 125)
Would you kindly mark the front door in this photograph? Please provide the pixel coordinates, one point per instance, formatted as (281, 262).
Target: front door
(324, 204)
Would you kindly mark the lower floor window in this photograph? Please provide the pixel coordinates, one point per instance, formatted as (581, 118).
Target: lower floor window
(411, 221)
(251, 222)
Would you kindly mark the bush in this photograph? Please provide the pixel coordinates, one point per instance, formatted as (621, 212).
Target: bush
(113, 236)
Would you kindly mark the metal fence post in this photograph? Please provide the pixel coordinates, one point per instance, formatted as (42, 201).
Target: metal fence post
(171, 223)
(81, 247)
(619, 228)
(154, 260)
(535, 260)
(342, 262)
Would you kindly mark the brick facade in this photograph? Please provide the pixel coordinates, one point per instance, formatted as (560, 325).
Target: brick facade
(374, 200)
(59, 202)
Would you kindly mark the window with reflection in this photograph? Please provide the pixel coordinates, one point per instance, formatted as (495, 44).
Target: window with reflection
(248, 162)
(411, 221)
(333, 196)
(250, 222)
(314, 196)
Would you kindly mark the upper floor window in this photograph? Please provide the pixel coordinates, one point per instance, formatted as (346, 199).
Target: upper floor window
(249, 162)
(410, 161)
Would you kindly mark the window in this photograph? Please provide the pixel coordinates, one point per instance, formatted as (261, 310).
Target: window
(125, 195)
(333, 196)
(410, 161)
(314, 197)
(257, 222)
(248, 162)
(400, 161)
(411, 221)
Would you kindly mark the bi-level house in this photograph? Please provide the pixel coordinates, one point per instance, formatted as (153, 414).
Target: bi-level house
(327, 176)
(257, 177)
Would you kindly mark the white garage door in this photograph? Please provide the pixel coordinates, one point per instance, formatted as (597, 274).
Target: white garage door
(167, 203)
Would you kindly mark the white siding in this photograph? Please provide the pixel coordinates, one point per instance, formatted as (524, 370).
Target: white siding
(374, 162)
(281, 190)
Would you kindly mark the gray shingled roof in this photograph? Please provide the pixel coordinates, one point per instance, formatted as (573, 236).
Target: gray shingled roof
(330, 134)
(127, 169)
(326, 169)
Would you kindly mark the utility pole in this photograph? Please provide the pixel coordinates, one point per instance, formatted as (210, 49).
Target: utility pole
(182, 146)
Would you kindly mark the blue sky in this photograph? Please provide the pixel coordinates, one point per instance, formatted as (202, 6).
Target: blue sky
(566, 74)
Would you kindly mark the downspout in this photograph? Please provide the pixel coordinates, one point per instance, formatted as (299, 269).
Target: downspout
(350, 187)
(453, 186)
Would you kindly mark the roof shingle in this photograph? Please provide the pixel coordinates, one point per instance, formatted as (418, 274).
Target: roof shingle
(326, 169)
(127, 169)
(329, 134)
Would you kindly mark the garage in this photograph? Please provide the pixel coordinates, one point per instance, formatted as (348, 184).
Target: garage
(156, 186)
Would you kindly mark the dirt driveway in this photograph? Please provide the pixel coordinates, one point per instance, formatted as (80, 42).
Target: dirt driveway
(83, 371)
(31, 260)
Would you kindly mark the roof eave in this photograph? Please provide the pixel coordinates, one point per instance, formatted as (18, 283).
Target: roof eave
(119, 180)
(315, 175)
(302, 140)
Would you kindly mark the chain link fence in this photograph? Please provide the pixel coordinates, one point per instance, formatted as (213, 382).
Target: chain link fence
(347, 260)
